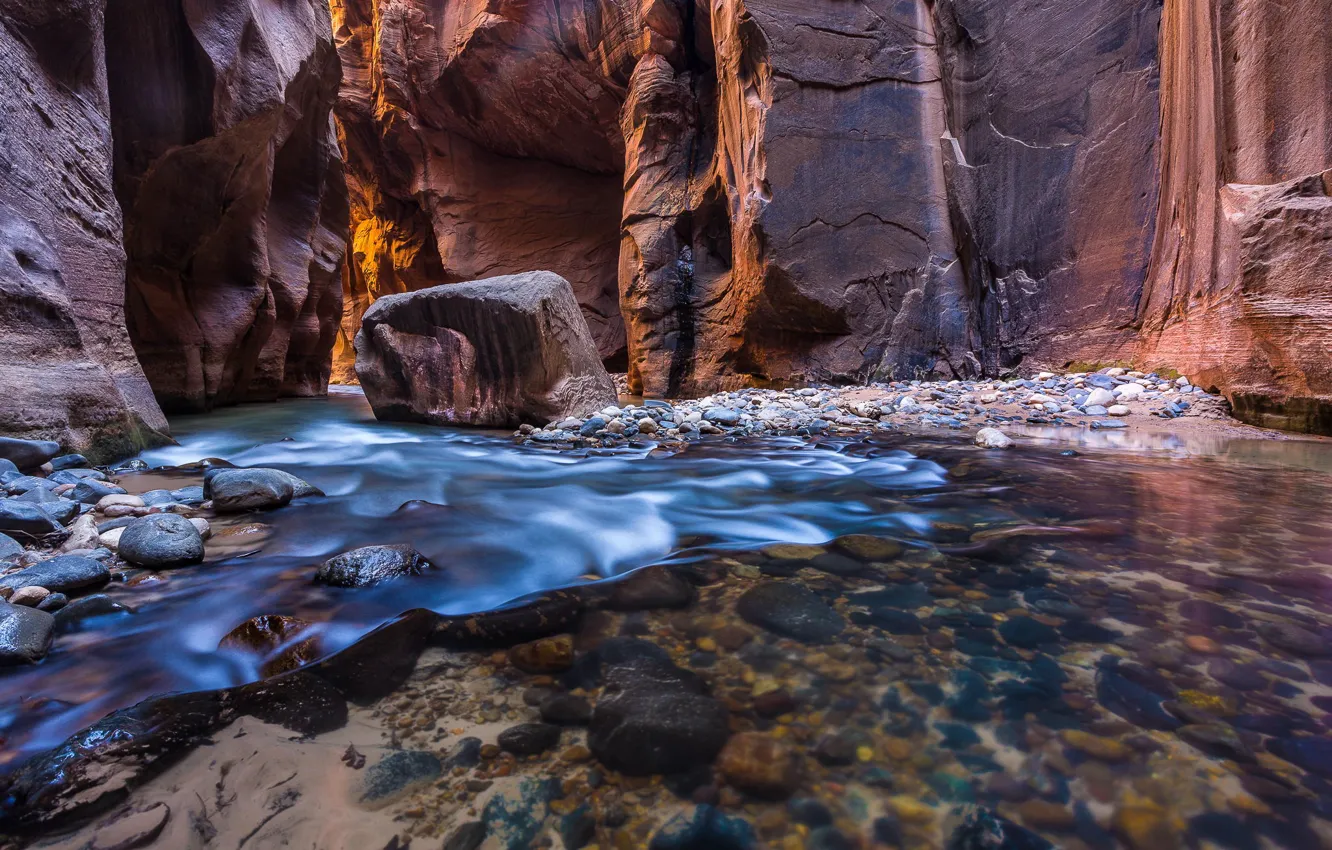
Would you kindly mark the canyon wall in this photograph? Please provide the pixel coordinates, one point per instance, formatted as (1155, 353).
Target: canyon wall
(171, 195)
(228, 172)
(67, 370)
(755, 191)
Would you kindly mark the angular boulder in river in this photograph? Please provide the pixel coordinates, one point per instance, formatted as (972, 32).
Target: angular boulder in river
(498, 352)
(161, 541)
(372, 565)
(28, 454)
(90, 491)
(25, 634)
(9, 547)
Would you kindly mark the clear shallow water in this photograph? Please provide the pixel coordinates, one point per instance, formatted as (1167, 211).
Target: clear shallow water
(1113, 549)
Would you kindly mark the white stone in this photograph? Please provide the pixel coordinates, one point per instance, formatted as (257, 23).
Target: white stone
(1117, 410)
(993, 438)
(123, 499)
(989, 398)
(1115, 372)
(111, 539)
(1100, 397)
(1045, 376)
(1126, 392)
(201, 525)
(647, 425)
(82, 535)
(1039, 398)
(907, 404)
(612, 410)
(1181, 381)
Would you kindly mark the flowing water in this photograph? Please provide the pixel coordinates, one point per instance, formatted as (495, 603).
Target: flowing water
(1195, 574)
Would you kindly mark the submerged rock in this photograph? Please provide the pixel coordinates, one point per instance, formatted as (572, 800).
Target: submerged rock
(760, 765)
(71, 617)
(704, 828)
(502, 351)
(397, 773)
(790, 610)
(372, 565)
(161, 541)
(528, 739)
(985, 830)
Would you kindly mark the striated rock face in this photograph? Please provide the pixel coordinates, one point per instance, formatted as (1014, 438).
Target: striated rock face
(1240, 290)
(67, 371)
(498, 352)
(776, 191)
(227, 168)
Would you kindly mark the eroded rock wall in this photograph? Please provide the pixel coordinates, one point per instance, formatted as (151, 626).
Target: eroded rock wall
(771, 191)
(67, 370)
(1240, 291)
(228, 171)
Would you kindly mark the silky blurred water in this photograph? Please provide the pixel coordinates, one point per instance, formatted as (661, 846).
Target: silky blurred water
(502, 521)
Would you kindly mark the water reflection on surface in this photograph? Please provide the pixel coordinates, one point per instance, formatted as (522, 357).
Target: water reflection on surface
(1161, 575)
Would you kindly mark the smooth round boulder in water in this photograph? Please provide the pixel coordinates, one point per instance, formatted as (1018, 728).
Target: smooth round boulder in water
(161, 541)
(240, 490)
(372, 565)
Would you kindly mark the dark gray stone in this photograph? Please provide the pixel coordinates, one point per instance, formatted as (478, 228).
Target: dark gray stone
(25, 634)
(161, 541)
(91, 492)
(790, 610)
(61, 510)
(371, 565)
(26, 483)
(528, 739)
(26, 520)
(61, 574)
(241, 490)
(70, 462)
(9, 547)
(1295, 640)
(28, 454)
(74, 476)
(645, 731)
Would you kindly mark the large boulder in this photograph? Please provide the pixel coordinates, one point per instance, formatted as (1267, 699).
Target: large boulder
(61, 574)
(25, 634)
(241, 490)
(496, 352)
(28, 454)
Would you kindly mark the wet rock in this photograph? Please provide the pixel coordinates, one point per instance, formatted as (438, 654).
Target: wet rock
(528, 739)
(1313, 754)
(790, 610)
(241, 490)
(1146, 826)
(983, 829)
(548, 655)
(514, 817)
(100, 764)
(1027, 632)
(704, 828)
(397, 773)
(271, 636)
(654, 729)
(651, 588)
(62, 574)
(469, 836)
(90, 492)
(53, 603)
(761, 765)
(840, 747)
(377, 664)
(867, 547)
(25, 634)
(372, 565)
(9, 547)
(27, 454)
(131, 828)
(299, 702)
(1105, 749)
(1217, 740)
(566, 710)
(26, 520)
(61, 510)
(1133, 702)
(465, 753)
(75, 615)
(29, 597)
(1210, 614)
(161, 541)
(1295, 640)
(69, 462)
(549, 614)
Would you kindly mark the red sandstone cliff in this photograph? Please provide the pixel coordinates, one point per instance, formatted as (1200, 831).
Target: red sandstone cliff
(740, 191)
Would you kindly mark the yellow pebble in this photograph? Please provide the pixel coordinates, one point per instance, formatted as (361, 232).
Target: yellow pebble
(706, 644)
(865, 753)
(910, 809)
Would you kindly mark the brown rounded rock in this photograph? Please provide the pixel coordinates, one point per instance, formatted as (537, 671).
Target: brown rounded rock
(548, 655)
(761, 765)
